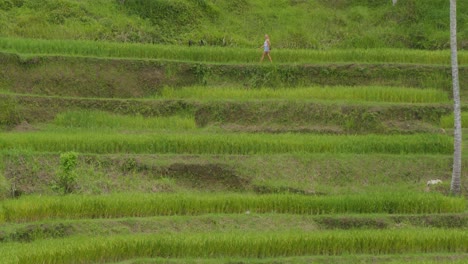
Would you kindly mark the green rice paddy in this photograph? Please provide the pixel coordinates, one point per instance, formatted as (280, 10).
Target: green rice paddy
(137, 148)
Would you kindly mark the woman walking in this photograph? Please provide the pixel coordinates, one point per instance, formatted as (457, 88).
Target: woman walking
(266, 48)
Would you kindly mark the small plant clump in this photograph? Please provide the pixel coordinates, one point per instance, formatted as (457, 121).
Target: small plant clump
(65, 182)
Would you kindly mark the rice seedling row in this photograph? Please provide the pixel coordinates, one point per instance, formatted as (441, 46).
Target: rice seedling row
(337, 93)
(138, 205)
(198, 143)
(248, 245)
(222, 54)
(343, 94)
(94, 120)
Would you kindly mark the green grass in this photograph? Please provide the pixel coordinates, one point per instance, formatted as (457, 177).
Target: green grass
(36, 208)
(247, 245)
(291, 24)
(318, 173)
(339, 93)
(198, 143)
(447, 121)
(222, 55)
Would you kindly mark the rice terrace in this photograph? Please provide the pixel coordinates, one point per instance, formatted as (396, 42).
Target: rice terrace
(150, 131)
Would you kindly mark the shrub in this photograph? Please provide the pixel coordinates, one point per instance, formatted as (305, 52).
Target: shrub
(66, 177)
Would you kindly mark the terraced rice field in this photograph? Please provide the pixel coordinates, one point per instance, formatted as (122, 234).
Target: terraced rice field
(148, 159)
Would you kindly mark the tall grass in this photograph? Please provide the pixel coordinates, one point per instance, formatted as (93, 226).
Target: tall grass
(364, 93)
(198, 143)
(249, 245)
(104, 120)
(35, 208)
(222, 54)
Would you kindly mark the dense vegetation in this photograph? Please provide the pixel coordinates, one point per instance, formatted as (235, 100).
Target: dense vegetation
(120, 143)
(316, 24)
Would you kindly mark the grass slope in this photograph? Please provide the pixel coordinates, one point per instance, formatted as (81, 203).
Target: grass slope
(308, 174)
(292, 24)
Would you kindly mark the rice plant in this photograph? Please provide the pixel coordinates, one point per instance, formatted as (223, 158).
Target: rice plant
(221, 54)
(98, 120)
(246, 245)
(229, 143)
(364, 93)
(35, 208)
